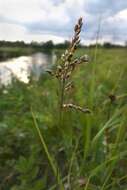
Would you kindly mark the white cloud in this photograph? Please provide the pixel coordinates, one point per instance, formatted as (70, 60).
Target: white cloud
(20, 10)
(122, 15)
(32, 10)
(119, 17)
(47, 19)
(12, 32)
(116, 26)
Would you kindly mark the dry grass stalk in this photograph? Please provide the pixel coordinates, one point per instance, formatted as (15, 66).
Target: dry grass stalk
(64, 71)
(68, 64)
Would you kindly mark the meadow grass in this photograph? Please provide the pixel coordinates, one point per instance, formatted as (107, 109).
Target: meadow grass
(90, 142)
(78, 151)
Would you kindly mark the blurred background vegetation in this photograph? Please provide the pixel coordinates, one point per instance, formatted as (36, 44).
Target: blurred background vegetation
(90, 152)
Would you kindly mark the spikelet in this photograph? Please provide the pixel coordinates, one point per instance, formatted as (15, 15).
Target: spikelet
(69, 86)
(77, 108)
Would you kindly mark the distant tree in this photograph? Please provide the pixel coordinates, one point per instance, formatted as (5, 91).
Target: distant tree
(4, 43)
(48, 45)
(34, 44)
(107, 45)
(63, 45)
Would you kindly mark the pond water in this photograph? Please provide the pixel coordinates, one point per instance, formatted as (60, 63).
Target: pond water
(23, 66)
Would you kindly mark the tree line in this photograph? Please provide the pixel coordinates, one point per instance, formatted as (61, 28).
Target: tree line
(50, 44)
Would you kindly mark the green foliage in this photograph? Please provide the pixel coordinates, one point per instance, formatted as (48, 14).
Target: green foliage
(29, 178)
(89, 151)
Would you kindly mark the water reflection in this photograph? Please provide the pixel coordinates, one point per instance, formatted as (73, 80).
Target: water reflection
(23, 66)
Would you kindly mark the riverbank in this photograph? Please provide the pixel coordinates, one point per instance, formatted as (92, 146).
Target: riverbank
(11, 52)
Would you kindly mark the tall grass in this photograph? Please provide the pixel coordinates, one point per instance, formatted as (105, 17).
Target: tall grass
(94, 154)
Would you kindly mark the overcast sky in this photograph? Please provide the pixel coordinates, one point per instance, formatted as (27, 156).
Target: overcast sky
(42, 20)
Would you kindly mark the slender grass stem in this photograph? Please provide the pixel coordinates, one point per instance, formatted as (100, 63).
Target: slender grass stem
(71, 162)
(62, 89)
(50, 159)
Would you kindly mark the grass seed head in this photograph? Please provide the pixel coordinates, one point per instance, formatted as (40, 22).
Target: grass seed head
(68, 65)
